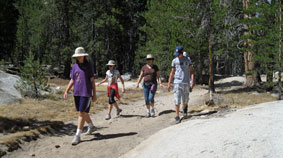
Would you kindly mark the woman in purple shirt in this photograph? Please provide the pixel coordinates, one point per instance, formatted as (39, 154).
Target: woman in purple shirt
(82, 78)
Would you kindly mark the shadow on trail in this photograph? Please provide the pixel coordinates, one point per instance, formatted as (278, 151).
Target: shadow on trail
(166, 112)
(52, 128)
(228, 84)
(99, 136)
(130, 116)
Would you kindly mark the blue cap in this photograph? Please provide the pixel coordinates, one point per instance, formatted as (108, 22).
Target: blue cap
(178, 51)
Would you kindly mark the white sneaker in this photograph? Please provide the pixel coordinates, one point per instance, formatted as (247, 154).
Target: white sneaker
(108, 117)
(90, 130)
(152, 112)
(147, 114)
(76, 140)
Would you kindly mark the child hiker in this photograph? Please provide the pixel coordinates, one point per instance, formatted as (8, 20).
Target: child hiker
(112, 76)
(82, 77)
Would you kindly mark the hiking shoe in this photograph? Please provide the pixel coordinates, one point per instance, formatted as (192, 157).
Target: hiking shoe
(76, 140)
(90, 130)
(119, 111)
(108, 117)
(177, 119)
(152, 112)
(147, 115)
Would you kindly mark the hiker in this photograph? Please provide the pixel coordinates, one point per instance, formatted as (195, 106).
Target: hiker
(82, 78)
(112, 76)
(150, 73)
(183, 73)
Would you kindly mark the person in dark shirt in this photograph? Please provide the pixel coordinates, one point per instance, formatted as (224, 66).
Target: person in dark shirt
(150, 73)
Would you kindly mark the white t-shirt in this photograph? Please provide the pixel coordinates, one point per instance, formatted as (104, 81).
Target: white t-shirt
(112, 75)
(182, 73)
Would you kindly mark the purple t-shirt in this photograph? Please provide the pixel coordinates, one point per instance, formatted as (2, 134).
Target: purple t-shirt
(82, 83)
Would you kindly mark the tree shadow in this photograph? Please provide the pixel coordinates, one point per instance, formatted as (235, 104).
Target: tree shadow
(228, 84)
(46, 127)
(99, 136)
(240, 90)
(129, 116)
(166, 112)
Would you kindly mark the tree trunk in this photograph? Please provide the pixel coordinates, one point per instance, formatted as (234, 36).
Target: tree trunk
(251, 75)
(280, 51)
(211, 68)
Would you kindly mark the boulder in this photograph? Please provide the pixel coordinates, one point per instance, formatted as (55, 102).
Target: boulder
(127, 76)
(8, 93)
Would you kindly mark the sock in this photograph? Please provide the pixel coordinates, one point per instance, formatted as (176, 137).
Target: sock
(148, 110)
(78, 132)
(185, 109)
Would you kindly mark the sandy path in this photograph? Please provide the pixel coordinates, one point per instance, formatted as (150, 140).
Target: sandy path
(114, 137)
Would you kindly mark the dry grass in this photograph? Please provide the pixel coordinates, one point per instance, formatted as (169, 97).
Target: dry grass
(234, 99)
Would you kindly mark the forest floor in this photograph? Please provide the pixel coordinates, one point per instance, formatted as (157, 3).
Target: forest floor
(45, 128)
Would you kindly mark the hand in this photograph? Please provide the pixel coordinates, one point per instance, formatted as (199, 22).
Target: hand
(137, 86)
(161, 85)
(169, 87)
(97, 84)
(65, 95)
(123, 90)
(192, 84)
(94, 98)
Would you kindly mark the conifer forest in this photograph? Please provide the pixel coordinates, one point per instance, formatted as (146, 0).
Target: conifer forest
(222, 37)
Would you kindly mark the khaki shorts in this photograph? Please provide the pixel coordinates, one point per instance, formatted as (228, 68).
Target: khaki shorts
(181, 91)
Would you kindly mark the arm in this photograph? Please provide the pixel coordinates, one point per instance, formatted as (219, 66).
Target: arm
(106, 78)
(93, 89)
(159, 79)
(123, 88)
(70, 85)
(171, 78)
(139, 80)
(192, 76)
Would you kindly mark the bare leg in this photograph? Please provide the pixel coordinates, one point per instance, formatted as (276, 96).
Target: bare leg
(177, 109)
(116, 105)
(185, 106)
(152, 105)
(87, 118)
(81, 120)
(110, 108)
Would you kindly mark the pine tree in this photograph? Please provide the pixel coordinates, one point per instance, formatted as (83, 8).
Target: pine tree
(33, 76)
(262, 40)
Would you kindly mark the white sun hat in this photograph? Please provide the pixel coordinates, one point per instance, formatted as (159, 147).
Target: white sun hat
(111, 62)
(149, 56)
(80, 51)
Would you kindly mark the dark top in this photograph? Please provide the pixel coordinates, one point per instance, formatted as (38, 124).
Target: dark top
(150, 74)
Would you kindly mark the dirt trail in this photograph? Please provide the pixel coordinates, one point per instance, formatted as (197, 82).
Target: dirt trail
(114, 137)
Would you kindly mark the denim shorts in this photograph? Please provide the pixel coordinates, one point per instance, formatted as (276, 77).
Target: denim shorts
(181, 91)
(82, 103)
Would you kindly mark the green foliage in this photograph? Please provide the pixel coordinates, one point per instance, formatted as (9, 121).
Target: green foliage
(263, 40)
(33, 76)
(191, 23)
(8, 27)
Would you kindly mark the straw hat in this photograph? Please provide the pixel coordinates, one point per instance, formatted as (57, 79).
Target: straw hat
(80, 51)
(111, 62)
(149, 56)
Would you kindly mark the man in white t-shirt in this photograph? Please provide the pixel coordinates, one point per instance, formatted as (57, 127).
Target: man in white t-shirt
(183, 73)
